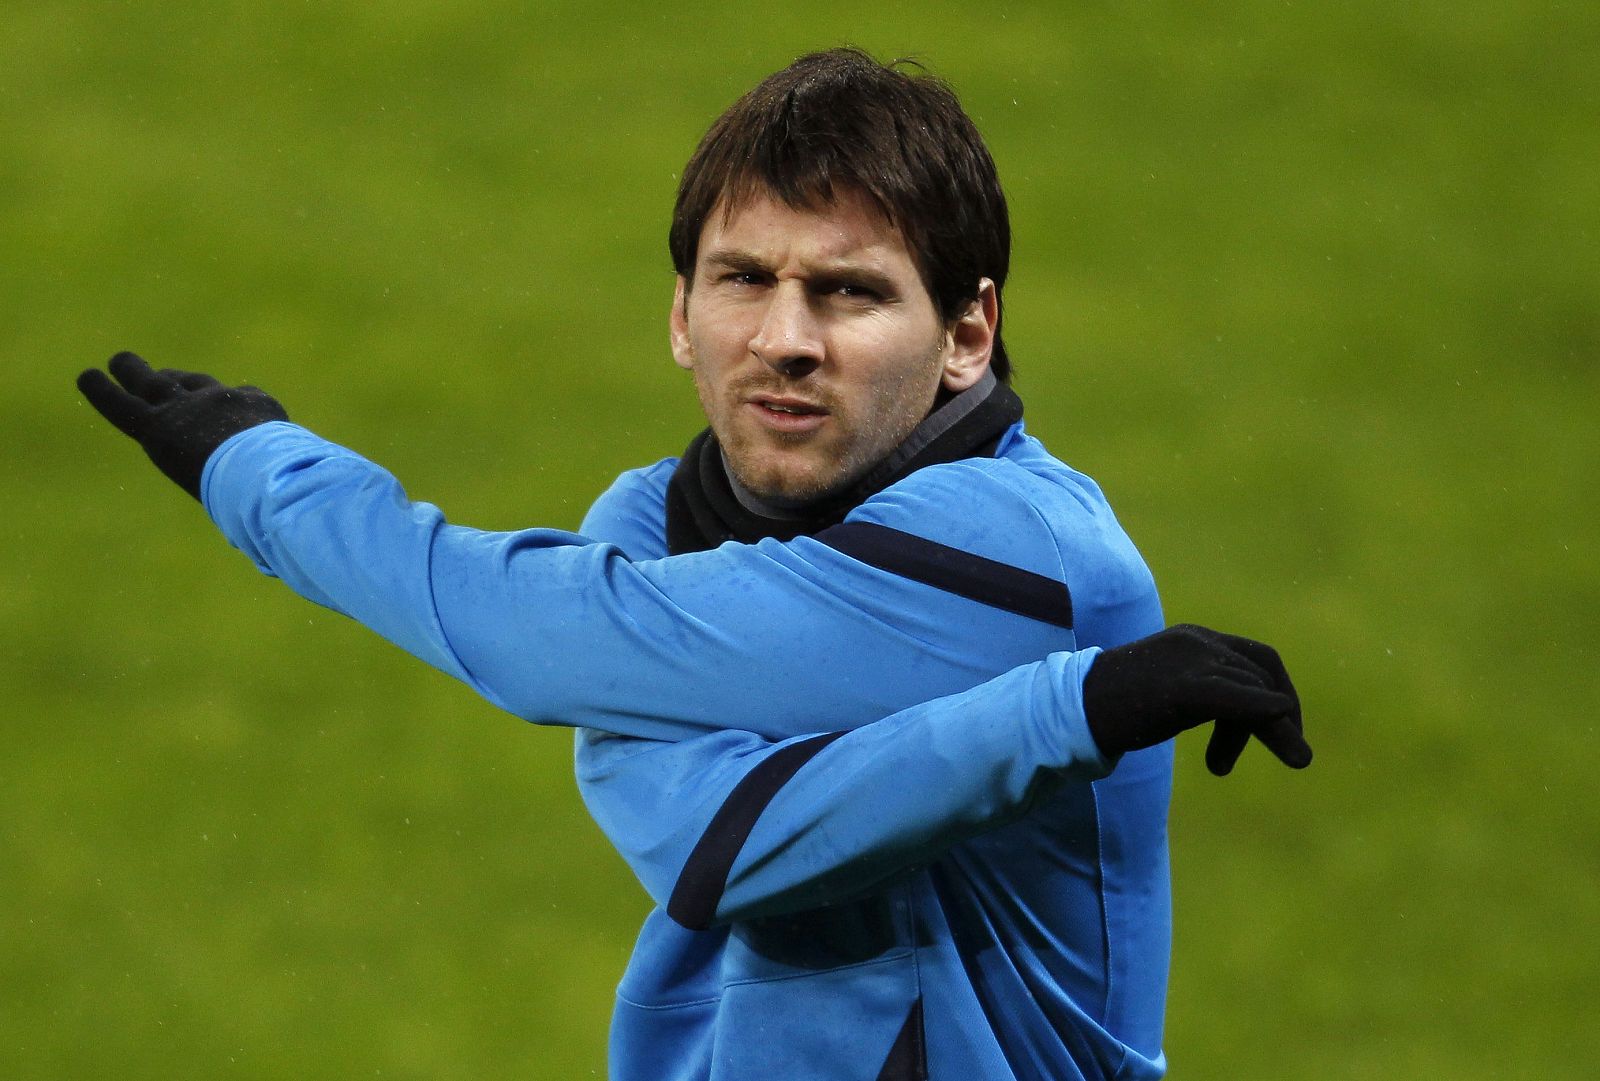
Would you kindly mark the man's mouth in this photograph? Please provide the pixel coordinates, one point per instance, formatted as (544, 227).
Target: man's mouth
(787, 414)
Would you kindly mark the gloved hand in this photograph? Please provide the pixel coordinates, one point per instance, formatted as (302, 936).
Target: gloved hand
(1148, 691)
(179, 418)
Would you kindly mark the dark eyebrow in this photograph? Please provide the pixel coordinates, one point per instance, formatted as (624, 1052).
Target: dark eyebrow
(863, 277)
(741, 261)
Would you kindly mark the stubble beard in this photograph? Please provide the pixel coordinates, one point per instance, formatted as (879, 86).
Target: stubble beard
(828, 470)
(786, 470)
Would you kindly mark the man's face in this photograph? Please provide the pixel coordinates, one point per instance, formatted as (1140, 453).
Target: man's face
(815, 347)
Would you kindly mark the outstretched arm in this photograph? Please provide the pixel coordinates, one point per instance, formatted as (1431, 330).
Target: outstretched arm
(548, 625)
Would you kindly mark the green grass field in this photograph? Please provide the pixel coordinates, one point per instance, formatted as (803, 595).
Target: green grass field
(1313, 291)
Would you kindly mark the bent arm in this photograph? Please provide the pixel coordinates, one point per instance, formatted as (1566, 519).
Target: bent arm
(730, 826)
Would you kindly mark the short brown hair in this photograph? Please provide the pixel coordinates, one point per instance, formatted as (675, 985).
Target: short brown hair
(840, 120)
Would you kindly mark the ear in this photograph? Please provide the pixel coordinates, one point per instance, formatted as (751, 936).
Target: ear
(972, 339)
(678, 321)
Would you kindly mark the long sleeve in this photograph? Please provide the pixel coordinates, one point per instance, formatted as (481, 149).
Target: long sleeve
(776, 639)
(730, 826)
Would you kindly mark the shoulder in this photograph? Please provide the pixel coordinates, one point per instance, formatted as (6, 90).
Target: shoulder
(1028, 508)
(631, 513)
(1016, 507)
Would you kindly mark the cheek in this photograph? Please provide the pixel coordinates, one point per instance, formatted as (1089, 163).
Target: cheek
(909, 371)
(710, 368)
(706, 388)
(716, 341)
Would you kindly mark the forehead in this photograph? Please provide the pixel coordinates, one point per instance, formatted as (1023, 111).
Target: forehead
(849, 229)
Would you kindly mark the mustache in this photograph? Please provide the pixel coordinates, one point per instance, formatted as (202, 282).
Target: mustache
(781, 388)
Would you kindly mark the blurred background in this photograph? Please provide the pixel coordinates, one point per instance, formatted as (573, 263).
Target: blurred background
(1312, 290)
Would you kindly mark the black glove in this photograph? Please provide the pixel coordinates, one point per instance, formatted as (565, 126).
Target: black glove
(179, 418)
(1148, 691)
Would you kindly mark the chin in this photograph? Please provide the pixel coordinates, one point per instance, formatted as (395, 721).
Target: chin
(788, 488)
(792, 493)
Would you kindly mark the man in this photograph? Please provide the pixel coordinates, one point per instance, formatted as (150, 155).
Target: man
(852, 675)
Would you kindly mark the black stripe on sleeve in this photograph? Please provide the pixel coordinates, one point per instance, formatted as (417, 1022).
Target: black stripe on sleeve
(975, 577)
(698, 891)
(908, 1058)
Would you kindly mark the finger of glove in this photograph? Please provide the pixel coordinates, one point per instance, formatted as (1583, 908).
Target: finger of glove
(1201, 649)
(190, 380)
(134, 374)
(122, 409)
(1266, 658)
(1223, 696)
(1283, 737)
(1227, 743)
(1242, 670)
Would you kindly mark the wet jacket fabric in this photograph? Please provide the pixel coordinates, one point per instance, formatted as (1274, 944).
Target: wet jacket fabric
(863, 795)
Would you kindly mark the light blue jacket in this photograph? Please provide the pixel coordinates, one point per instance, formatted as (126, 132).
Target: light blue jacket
(874, 792)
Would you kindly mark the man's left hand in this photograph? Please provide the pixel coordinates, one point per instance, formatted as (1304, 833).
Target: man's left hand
(179, 418)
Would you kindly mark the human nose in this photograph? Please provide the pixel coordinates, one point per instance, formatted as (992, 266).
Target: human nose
(788, 339)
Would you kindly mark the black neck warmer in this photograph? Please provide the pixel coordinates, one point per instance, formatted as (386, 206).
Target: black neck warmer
(704, 509)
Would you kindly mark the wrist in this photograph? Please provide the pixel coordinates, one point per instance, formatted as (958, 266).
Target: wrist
(217, 484)
(1079, 746)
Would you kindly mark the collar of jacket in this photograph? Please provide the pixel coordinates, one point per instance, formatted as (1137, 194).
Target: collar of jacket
(707, 507)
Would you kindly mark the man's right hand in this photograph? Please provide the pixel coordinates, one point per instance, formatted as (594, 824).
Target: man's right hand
(1148, 691)
(179, 418)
